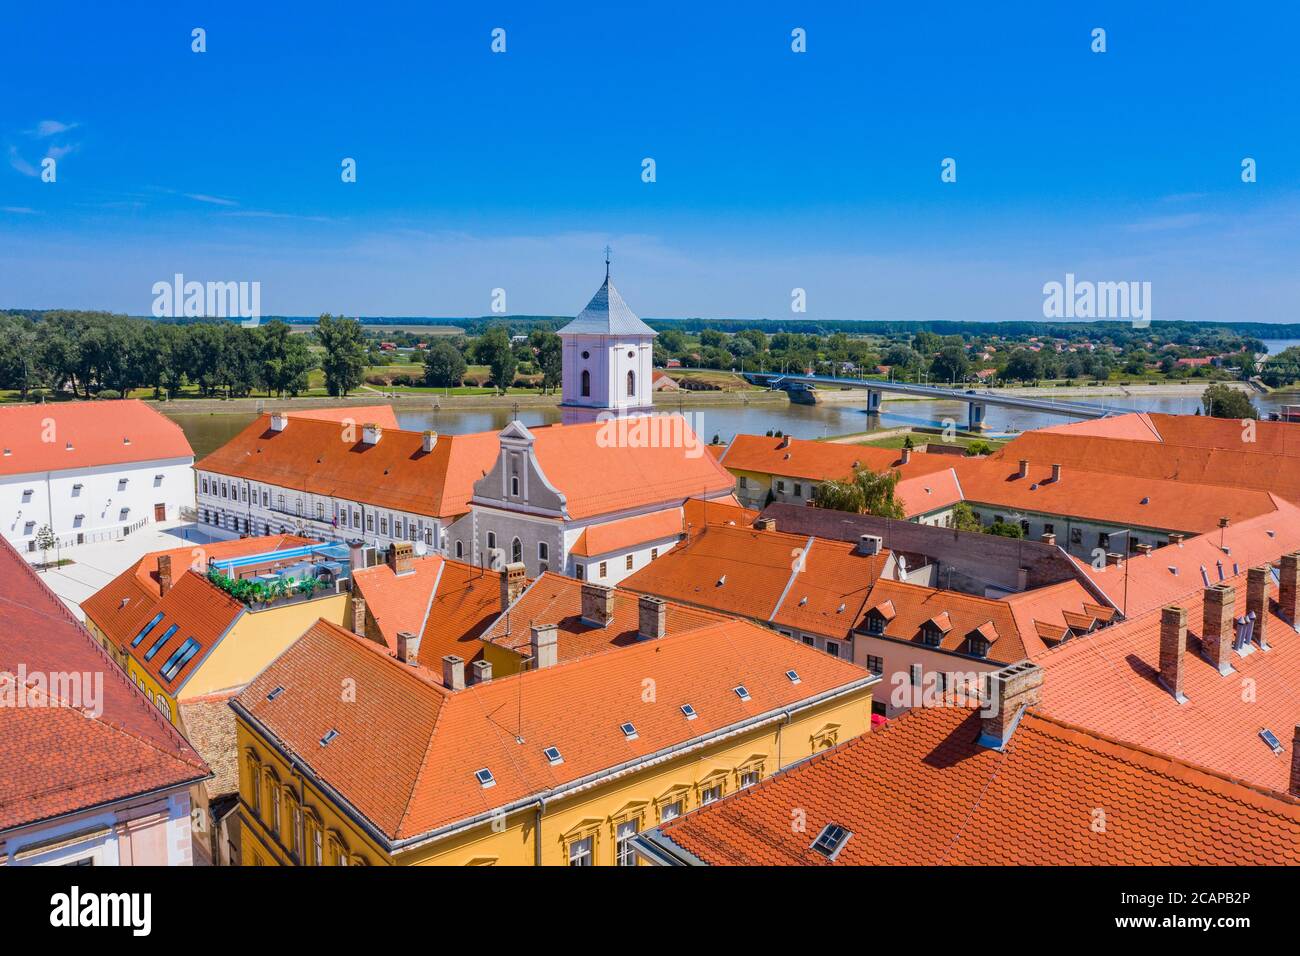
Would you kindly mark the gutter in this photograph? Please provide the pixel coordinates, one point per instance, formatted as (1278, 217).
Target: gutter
(577, 786)
(662, 851)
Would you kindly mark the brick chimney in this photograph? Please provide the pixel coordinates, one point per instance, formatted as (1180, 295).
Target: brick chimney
(1144, 549)
(652, 618)
(1024, 468)
(279, 421)
(1288, 589)
(401, 557)
(1257, 602)
(428, 440)
(1173, 642)
(904, 456)
(544, 644)
(453, 672)
(1176, 538)
(765, 524)
(1056, 473)
(1115, 559)
(408, 647)
(1294, 787)
(513, 579)
(164, 573)
(358, 612)
(1049, 538)
(597, 604)
(1006, 693)
(480, 672)
(1217, 630)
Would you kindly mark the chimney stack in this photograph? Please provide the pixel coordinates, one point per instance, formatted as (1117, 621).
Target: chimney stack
(401, 557)
(905, 456)
(430, 439)
(1024, 468)
(1257, 602)
(784, 442)
(870, 544)
(1056, 473)
(1115, 559)
(513, 579)
(544, 644)
(164, 573)
(408, 648)
(765, 524)
(1006, 693)
(1049, 538)
(1144, 549)
(1295, 763)
(358, 612)
(597, 604)
(652, 618)
(357, 554)
(453, 672)
(1173, 642)
(279, 421)
(1288, 589)
(1217, 630)
(1022, 579)
(1176, 538)
(371, 433)
(480, 672)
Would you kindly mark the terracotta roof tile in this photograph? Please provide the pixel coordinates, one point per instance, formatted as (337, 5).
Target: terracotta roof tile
(957, 615)
(820, 460)
(920, 791)
(624, 533)
(86, 435)
(55, 759)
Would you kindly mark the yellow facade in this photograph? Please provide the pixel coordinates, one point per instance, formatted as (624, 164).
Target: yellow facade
(270, 791)
(253, 641)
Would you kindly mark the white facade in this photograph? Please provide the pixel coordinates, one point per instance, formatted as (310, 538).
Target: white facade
(230, 507)
(143, 831)
(100, 503)
(608, 359)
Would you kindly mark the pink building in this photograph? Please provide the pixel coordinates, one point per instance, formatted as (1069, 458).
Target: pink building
(91, 773)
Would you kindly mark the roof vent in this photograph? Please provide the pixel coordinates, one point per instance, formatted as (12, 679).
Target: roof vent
(125, 440)
(803, 600)
(552, 754)
(8, 452)
(1145, 501)
(794, 676)
(742, 692)
(1270, 738)
(629, 730)
(1173, 570)
(721, 581)
(324, 741)
(485, 778)
(688, 712)
(840, 609)
(68, 446)
(275, 693)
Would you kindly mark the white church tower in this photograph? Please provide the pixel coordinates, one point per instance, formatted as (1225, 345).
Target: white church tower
(608, 359)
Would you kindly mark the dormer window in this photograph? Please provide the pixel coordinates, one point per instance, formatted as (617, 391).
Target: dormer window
(875, 623)
(931, 635)
(979, 647)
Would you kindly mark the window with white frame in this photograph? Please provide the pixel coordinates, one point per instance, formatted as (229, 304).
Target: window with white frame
(580, 852)
(711, 794)
(670, 811)
(624, 855)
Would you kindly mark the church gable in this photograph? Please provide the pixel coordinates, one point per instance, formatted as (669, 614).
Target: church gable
(516, 481)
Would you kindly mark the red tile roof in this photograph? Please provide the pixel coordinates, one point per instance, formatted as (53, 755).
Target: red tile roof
(1105, 496)
(922, 494)
(381, 415)
(1042, 611)
(86, 435)
(407, 750)
(329, 458)
(56, 760)
(1107, 682)
(820, 460)
(600, 469)
(920, 791)
(790, 580)
(1142, 583)
(956, 614)
(556, 599)
(622, 534)
(448, 603)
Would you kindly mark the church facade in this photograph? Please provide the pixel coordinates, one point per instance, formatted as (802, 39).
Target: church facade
(608, 360)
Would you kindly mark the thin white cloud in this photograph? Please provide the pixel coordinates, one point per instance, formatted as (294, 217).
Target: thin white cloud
(1164, 223)
(58, 152)
(266, 214)
(213, 200)
(46, 128)
(20, 164)
(19, 210)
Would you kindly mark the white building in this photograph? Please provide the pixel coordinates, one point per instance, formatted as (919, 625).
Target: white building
(91, 471)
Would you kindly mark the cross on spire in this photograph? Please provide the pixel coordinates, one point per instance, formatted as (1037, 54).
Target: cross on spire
(607, 252)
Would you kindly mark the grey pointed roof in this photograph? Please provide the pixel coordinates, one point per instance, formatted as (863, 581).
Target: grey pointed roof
(607, 314)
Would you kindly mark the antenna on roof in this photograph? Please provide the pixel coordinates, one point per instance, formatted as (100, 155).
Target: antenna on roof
(607, 253)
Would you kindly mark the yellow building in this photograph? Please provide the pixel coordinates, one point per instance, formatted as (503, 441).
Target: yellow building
(179, 636)
(351, 755)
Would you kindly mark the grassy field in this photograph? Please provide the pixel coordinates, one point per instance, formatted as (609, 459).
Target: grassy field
(723, 381)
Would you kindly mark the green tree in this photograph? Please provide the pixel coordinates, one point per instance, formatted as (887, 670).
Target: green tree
(285, 359)
(963, 517)
(444, 365)
(45, 540)
(345, 353)
(550, 356)
(1223, 401)
(950, 365)
(1023, 366)
(1005, 529)
(494, 351)
(865, 493)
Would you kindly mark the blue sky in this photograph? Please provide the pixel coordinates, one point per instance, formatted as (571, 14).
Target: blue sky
(775, 170)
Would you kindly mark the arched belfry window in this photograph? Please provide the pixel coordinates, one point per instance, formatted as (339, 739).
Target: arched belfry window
(516, 550)
(586, 383)
(631, 384)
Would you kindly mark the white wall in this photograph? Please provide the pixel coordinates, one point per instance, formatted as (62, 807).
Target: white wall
(609, 364)
(86, 504)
